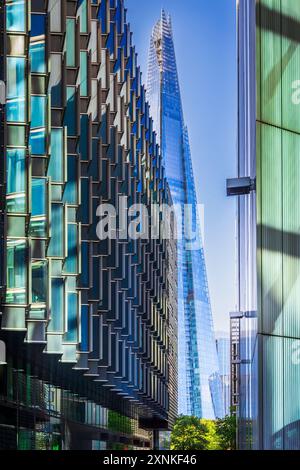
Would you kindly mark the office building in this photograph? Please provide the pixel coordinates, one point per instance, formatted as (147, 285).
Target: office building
(268, 242)
(89, 326)
(199, 381)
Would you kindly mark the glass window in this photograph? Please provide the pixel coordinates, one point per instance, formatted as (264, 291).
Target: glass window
(70, 113)
(15, 108)
(71, 265)
(16, 180)
(83, 15)
(84, 328)
(84, 136)
(15, 15)
(83, 73)
(85, 260)
(54, 7)
(37, 43)
(70, 193)
(70, 43)
(56, 244)
(39, 281)
(56, 164)
(57, 305)
(71, 334)
(37, 141)
(16, 272)
(38, 111)
(38, 207)
(16, 136)
(55, 80)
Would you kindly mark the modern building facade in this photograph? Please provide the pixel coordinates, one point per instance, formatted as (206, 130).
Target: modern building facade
(199, 381)
(89, 325)
(269, 265)
(223, 349)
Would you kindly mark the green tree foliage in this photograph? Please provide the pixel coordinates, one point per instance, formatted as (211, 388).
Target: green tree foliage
(191, 433)
(226, 429)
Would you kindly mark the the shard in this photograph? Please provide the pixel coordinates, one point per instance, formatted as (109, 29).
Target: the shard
(199, 390)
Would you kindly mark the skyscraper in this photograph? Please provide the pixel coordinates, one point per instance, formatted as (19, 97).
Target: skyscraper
(89, 326)
(199, 381)
(269, 221)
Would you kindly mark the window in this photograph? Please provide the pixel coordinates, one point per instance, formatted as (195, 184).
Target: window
(56, 245)
(38, 111)
(84, 136)
(15, 108)
(39, 281)
(16, 272)
(54, 7)
(70, 193)
(83, 15)
(72, 303)
(38, 207)
(55, 80)
(16, 180)
(56, 164)
(37, 43)
(83, 73)
(70, 43)
(70, 113)
(15, 15)
(57, 305)
(71, 265)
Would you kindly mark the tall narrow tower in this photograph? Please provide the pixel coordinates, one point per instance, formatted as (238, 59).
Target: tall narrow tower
(199, 381)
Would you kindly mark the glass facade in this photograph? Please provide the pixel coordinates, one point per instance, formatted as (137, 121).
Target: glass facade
(270, 419)
(90, 326)
(199, 381)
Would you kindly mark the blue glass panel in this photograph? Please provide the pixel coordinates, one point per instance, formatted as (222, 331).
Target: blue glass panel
(85, 264)
(16, 86)
(37, 57)
(70, 42)
(39, 281)
(71, 260)
(38, 207)
(15, 15)
(16, 180)
(56, 244)
(70, 113)
(84, 210)
(57, 305)
(70, 192)
(84, 136)
(56, 164)
(71, 334)
(84, 328)
(37, 43)
(38, 111)
(16, 272)
(83, 73)
(37, 142)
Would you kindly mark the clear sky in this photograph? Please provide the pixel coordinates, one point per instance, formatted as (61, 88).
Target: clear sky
(205, 43)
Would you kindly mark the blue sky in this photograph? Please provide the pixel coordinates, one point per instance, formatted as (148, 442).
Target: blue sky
(205, 43)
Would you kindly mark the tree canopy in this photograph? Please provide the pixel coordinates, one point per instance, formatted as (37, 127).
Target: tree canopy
(191, 433)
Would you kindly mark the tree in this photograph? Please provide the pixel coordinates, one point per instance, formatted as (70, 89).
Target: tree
(226, 429)
(191, 433)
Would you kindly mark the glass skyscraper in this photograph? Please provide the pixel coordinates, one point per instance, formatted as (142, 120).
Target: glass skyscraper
(199, 382)
(269, 224)
(89, 325)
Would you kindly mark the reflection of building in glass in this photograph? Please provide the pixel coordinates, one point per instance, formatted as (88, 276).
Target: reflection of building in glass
(269, 221)
(199, 382)
(223, 349)
(90, 327)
